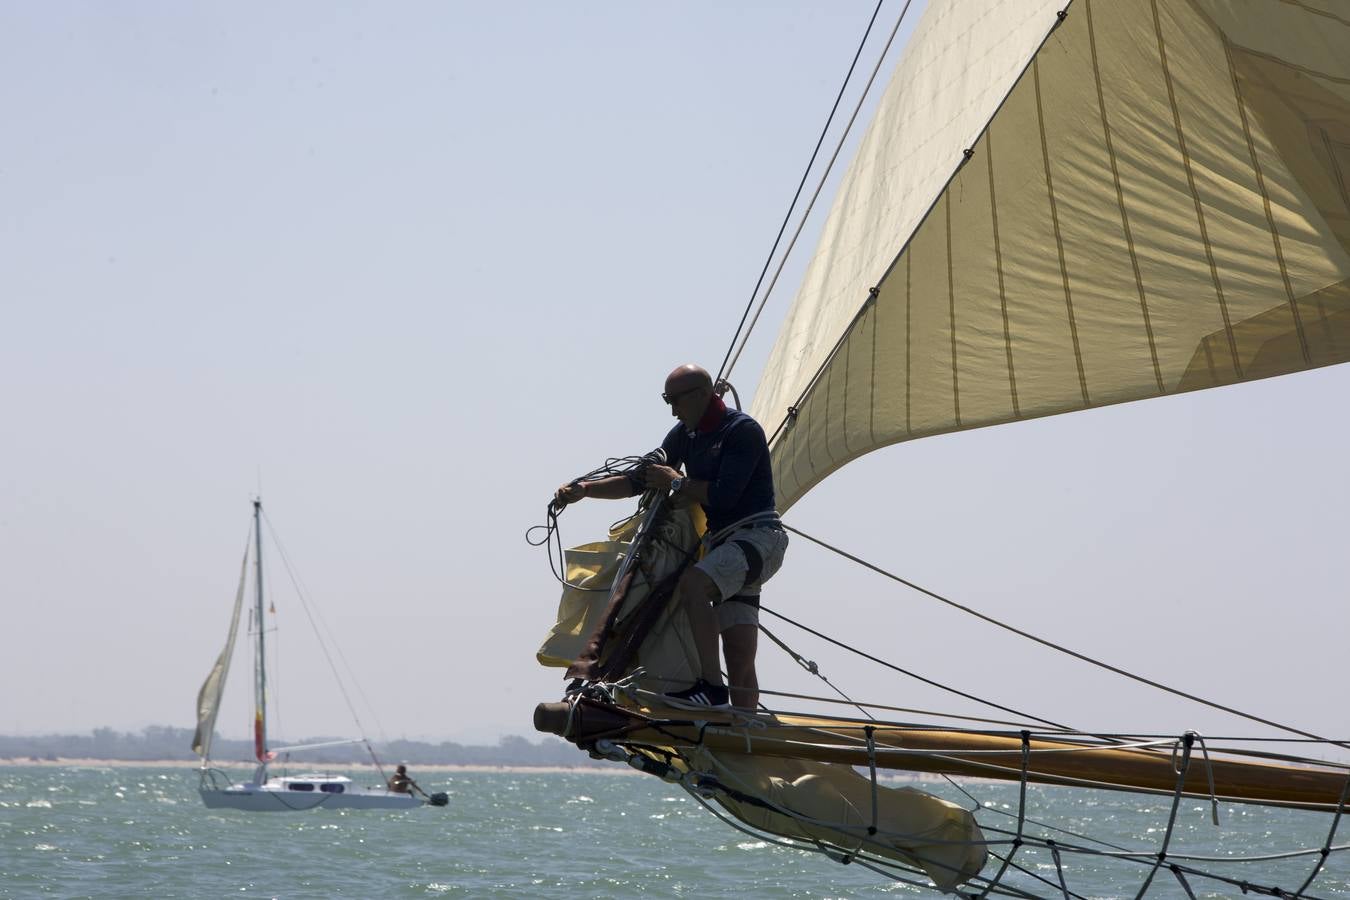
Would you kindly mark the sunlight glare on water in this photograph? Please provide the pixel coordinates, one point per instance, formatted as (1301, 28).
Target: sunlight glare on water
(105, 832)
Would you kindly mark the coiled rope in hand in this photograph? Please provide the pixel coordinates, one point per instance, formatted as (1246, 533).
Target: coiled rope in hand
(618, 465)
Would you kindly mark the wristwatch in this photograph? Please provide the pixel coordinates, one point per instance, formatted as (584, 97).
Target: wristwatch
(676, 485)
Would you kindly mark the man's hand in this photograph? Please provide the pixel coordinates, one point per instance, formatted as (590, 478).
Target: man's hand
(660, 477)
(570, 492)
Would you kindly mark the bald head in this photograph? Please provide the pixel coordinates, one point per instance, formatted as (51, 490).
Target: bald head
(687, 377)
(688, 391)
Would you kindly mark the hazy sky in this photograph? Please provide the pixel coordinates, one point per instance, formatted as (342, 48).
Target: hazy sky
(411, 266)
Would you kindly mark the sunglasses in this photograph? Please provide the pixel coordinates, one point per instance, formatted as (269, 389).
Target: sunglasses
(671, 398)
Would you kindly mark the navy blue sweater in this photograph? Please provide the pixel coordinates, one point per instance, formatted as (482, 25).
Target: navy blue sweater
(733, 457)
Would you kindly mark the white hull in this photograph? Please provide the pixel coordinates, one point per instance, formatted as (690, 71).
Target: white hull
(290, 794)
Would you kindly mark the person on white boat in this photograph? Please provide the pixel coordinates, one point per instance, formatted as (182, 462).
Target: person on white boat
(727, 471)
(400, 783)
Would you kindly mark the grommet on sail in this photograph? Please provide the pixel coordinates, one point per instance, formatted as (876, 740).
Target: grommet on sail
(1055, 208)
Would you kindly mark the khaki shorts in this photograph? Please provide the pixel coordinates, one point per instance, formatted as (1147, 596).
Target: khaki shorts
(727, 566)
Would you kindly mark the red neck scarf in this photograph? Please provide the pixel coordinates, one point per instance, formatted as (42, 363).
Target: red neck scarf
(713, 415)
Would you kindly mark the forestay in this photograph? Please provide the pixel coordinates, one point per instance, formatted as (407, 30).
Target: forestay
(1160, 202)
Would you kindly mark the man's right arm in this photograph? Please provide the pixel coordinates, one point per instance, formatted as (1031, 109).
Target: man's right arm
(613, 487)
(618, 487)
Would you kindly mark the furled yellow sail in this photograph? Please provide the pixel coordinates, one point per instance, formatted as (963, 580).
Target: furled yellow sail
(1160, 203)
(819, 802)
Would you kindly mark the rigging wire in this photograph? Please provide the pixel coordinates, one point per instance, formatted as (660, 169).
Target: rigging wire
(914, 675)
(314, 623)
(723, 369)
(1059, 647)
(801, 225)
(810, 666)
(902, 709)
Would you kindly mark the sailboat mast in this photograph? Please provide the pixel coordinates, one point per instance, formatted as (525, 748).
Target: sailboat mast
(259, 667)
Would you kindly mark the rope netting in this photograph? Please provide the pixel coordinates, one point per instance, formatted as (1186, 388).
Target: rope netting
(1161, 844)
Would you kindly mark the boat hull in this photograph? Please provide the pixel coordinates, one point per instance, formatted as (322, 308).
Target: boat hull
(293, 794)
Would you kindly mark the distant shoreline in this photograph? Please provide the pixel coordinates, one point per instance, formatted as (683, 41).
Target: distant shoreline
(245, 768)
(82, 763)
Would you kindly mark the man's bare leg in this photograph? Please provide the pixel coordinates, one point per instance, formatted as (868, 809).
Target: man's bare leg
(740, 643)
(697, 593)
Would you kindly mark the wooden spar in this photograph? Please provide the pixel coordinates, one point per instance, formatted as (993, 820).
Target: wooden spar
(982, 755)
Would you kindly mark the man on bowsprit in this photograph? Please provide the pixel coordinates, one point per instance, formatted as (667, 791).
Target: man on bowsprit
(726, 470)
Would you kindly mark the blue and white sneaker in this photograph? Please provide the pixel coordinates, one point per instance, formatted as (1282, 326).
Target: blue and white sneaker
(701, 696)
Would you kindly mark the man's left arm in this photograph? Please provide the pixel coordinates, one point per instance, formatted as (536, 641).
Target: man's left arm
(741, 452)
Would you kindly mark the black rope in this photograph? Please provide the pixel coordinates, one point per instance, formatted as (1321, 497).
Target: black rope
(1035, 876)
(810, 666)
(618, 465)
(1331, 834)
(782, 229)
(914, 675)
(848, 701)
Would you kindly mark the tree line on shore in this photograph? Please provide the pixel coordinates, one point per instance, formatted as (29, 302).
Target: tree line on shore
(158, 742)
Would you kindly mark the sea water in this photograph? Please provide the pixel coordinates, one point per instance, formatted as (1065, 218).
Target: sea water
(143, 832)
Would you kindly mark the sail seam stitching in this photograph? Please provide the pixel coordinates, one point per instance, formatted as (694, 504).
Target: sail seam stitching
(848, 376)
(802, 436)
(1120, 202)
(1327, 330)
(1312, 10)
(825, 417)
(951, 312)
(1265, 202)
(909, 303)
(1330, 145)
(1195, 193)
(1059, 237)
(1301, 69)
(872, 398)
(998, 268)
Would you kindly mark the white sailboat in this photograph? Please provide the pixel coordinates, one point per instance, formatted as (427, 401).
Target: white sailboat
(264, 792)
(1059, 205)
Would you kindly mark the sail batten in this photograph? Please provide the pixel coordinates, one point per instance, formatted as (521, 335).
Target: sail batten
(1158, 205)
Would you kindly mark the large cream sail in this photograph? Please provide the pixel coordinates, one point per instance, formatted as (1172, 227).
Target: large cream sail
(1160, 204)
(208, 698)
